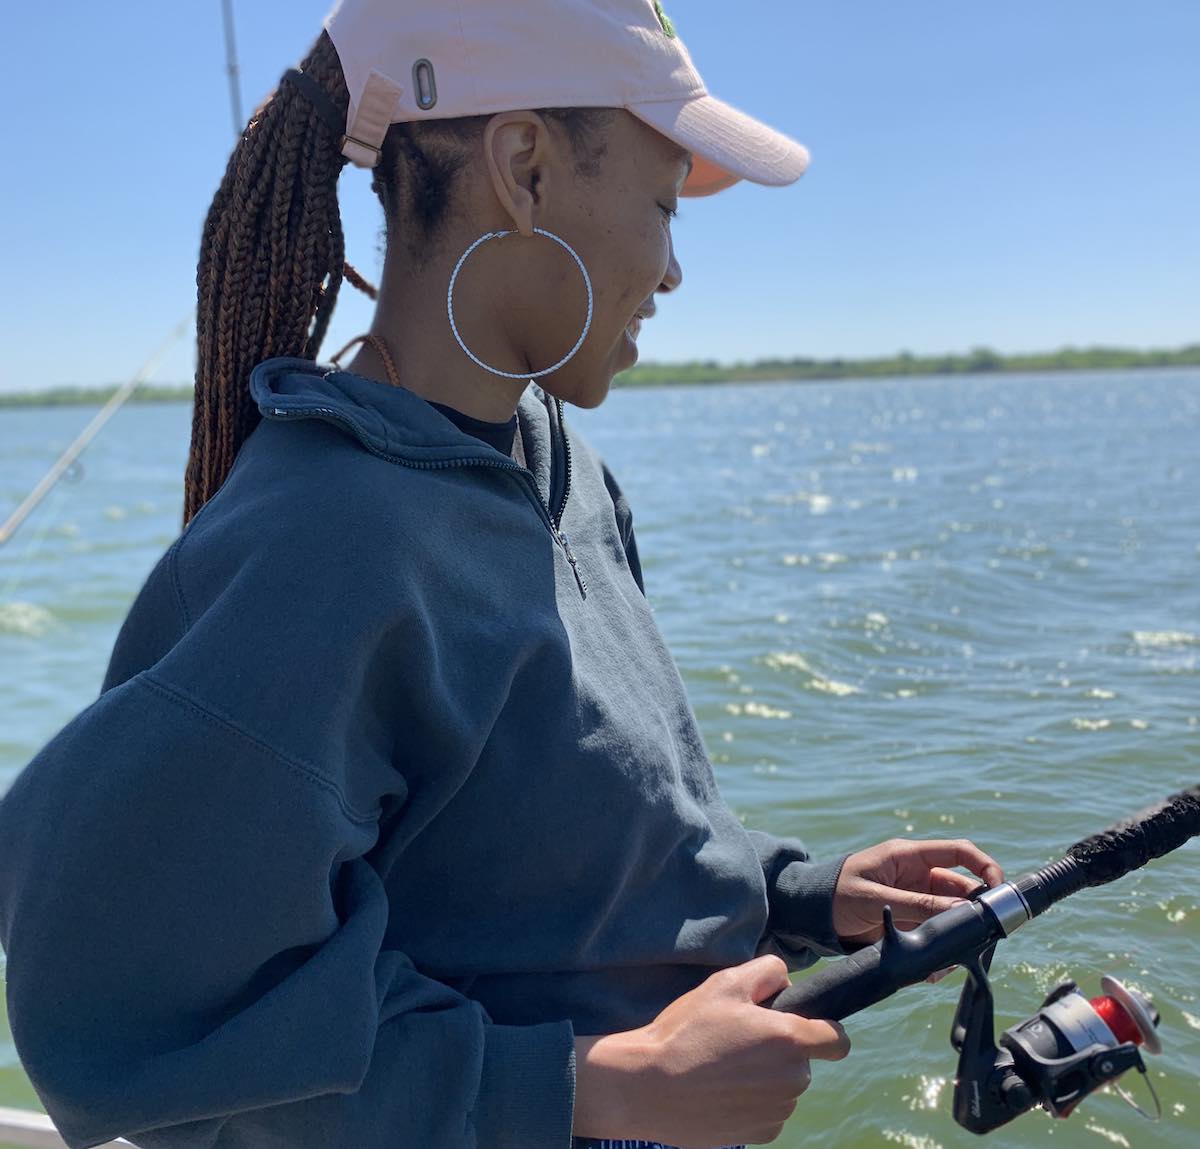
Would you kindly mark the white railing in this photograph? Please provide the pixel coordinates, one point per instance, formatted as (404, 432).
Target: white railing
(33, 1130)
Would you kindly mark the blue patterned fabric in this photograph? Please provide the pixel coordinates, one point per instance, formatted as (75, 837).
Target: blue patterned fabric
(610, 1143)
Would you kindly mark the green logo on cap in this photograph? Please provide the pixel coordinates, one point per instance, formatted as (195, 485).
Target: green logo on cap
(664, 19)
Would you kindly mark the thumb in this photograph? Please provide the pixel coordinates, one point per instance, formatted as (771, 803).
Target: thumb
(913, 905)
(758, 978)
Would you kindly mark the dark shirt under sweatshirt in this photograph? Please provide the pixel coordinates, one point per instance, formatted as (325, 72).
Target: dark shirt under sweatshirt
(498, 435)
(506, 438)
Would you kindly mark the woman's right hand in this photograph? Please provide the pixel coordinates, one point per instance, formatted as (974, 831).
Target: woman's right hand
(714, 1068)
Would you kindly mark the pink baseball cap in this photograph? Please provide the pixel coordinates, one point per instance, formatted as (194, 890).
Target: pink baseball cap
(437, 59)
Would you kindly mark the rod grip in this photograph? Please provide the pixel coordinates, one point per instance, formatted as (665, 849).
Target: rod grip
(838, 989)
(1131, 843)
(898, 959)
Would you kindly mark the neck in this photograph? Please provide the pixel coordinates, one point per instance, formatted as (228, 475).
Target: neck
(411, 319)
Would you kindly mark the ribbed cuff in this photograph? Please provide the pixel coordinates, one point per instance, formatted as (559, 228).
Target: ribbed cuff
(527, 1089)
(802, 906)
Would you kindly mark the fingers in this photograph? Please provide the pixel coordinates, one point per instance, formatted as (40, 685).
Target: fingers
(955, 852)
(947, 889)
(952, 883)
(801, 1077)
(912, 907)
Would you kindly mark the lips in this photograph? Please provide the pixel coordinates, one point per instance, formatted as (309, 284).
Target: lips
(634, 326)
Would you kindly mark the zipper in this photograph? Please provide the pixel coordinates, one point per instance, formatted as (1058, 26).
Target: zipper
(562, 506)
(551, 521)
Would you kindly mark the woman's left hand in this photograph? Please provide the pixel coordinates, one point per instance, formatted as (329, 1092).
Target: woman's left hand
(913, 877)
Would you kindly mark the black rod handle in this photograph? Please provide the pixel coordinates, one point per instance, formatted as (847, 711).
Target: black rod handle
(960, 934)
(900, 958)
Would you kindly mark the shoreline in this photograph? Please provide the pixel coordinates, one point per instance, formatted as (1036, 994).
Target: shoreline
(653, 374)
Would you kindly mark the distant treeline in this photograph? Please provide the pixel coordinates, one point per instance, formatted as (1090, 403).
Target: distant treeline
(95, 396)
(980, 360)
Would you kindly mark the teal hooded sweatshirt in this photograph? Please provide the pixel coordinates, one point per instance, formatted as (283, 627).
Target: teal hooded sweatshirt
(392, 788)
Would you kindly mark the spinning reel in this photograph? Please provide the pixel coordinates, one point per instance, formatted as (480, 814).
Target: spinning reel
(1070, 1048)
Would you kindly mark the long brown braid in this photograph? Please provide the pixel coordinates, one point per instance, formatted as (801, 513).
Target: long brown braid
(272, 253)
(271, 258)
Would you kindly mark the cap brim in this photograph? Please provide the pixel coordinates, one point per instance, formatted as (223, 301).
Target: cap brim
(726, 144)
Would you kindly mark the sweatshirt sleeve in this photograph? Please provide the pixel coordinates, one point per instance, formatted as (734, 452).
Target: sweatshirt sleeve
(799, 890)
(800, 901)
(196, 935)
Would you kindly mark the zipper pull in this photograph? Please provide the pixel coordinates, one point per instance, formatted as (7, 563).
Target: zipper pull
(562, 538)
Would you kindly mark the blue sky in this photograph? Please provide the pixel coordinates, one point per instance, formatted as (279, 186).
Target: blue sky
(1022, 175)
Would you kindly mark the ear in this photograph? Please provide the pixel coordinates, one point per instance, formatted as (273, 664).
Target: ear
(516, 146)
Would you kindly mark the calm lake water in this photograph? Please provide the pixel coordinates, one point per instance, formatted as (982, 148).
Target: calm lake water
(929, 608)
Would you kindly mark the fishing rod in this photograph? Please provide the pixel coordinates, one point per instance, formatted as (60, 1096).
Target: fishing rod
(1073, 1045)
(231, 69)
(66, 461)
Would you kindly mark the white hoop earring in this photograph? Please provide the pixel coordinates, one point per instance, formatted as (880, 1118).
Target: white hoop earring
(450, 303)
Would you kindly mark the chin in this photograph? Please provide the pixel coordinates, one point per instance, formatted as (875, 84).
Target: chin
(586, 390)
(594, 396)
(586, 395)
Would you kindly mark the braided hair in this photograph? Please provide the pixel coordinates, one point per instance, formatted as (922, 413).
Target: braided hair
(272, 252)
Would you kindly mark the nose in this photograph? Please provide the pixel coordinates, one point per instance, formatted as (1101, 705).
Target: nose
(674, 273)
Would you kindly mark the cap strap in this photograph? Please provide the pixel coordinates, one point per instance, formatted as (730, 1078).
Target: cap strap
(318, 97)
(370, 120)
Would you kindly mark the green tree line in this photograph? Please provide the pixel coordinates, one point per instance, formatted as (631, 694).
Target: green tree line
(978, 361)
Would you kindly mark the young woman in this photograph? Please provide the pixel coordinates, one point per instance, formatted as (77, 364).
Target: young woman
(392, 824)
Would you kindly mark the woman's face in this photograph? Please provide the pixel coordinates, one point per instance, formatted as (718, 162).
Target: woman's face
(618, 221)
(627, 222)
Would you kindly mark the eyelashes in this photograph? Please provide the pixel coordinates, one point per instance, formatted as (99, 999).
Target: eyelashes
(671, 212)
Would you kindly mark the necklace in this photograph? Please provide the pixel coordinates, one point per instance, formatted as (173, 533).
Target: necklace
(380, 348)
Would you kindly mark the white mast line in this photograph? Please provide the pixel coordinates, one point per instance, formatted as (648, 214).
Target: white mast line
(126, 389)
(88, 434)
(231, 66)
